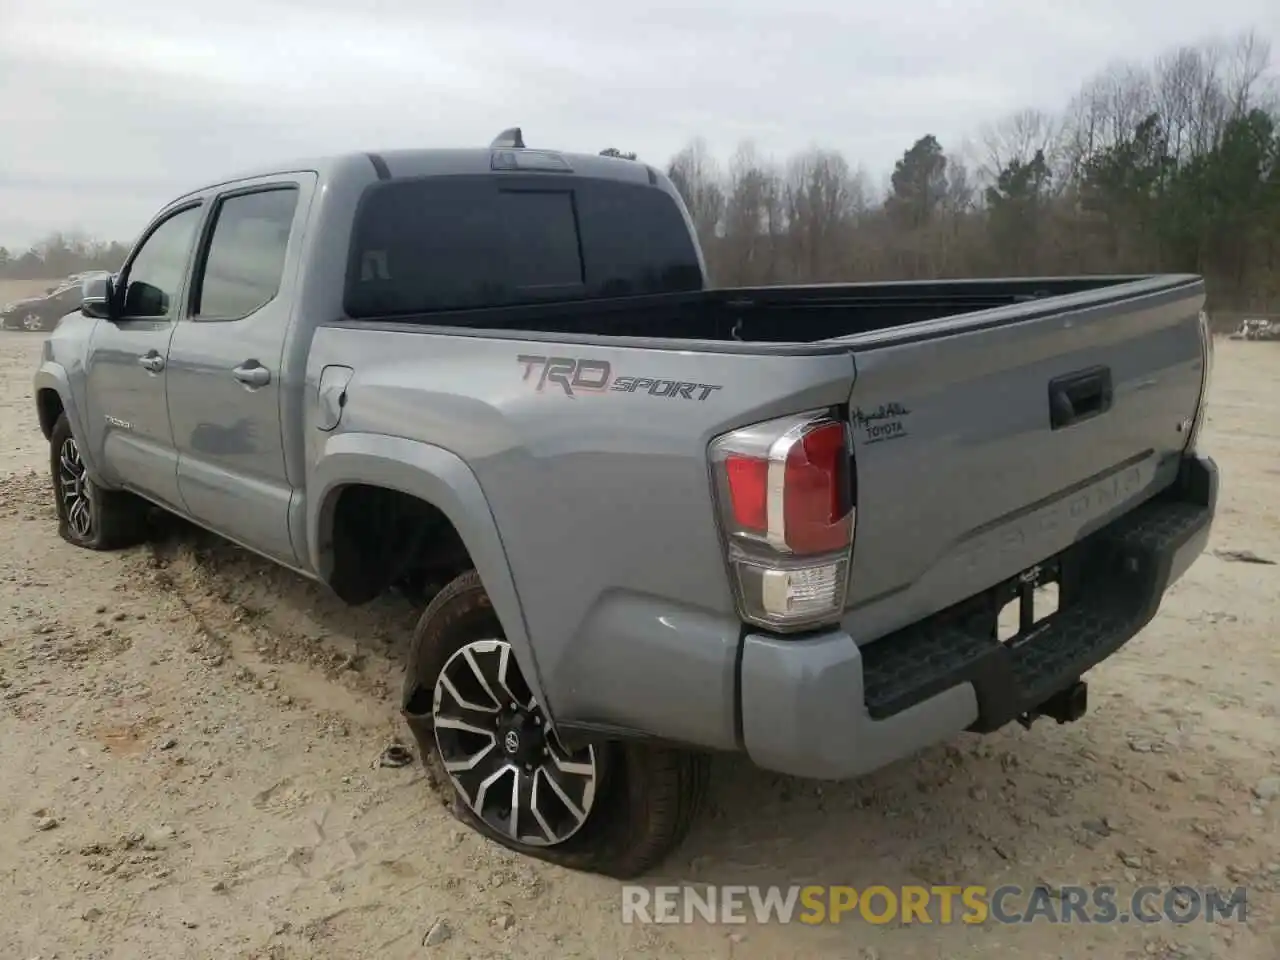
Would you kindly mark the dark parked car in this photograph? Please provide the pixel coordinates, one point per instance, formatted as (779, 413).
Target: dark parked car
(42, 313)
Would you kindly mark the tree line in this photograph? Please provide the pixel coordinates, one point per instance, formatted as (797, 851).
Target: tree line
(60, 255)
(1167, 166)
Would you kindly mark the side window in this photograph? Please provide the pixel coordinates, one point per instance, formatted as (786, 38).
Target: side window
(654, 254)
(462, 243)
(244, 264)
(155, 273)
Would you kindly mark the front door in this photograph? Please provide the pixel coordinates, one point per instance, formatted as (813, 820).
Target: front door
(225, 367)
(128, 422)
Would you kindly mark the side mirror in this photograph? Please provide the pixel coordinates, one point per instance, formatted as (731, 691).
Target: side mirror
(98, 295)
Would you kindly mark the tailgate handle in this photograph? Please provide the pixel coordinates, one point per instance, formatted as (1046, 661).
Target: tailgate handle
(1079, 396)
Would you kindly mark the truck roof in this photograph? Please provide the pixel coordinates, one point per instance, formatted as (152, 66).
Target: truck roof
(435, 161)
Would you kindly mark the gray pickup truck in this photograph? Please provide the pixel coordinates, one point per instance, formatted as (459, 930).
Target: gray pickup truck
(649, 520)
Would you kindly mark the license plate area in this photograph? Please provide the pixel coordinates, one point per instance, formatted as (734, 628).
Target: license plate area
(1025, 603)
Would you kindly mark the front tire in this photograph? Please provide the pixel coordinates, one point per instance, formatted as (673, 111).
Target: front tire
(490, 751)
(89, 516)
(32, 323)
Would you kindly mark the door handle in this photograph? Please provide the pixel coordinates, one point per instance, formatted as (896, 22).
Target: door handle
(151, 362)
(252, 374)
(1079, 396)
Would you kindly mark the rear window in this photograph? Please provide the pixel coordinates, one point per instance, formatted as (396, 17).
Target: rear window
(460, 243)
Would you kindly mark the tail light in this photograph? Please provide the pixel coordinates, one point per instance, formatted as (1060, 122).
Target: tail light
(1206, 378)
(785, 494)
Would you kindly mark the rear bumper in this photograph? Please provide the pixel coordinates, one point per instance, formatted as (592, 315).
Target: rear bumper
(823, 708)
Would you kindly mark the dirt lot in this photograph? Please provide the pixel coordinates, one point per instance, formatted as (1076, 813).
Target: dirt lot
(188, 736)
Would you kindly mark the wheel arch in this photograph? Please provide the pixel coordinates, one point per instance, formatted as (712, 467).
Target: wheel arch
(54, 396)
(49, 407)
(441, 480)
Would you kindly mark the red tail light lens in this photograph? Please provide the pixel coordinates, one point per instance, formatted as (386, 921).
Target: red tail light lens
(815, 498)
(748, 491)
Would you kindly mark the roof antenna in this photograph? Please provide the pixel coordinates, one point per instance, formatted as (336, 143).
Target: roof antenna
(511, 138)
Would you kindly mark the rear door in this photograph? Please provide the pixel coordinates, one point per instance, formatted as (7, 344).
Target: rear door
(225, 377)
(983, 451)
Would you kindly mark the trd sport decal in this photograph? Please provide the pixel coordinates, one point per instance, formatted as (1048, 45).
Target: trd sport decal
(576, 376)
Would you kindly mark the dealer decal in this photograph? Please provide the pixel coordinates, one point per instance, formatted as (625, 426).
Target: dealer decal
(578, 375)
(886, 422)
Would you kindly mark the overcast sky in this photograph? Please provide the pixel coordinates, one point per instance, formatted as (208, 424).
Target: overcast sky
(110, 109)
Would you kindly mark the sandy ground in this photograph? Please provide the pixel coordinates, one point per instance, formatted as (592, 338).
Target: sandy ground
(187, 740)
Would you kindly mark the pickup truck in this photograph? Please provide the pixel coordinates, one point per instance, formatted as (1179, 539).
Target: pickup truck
(649, 520)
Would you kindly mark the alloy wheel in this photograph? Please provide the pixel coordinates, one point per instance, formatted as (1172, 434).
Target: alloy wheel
(32, 322)
(75, 489)
(502, 755)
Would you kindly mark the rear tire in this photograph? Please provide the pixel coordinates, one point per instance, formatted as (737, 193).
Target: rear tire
(89, 516)
(642, 799)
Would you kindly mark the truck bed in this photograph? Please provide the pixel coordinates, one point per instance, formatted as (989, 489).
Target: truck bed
(803, 314)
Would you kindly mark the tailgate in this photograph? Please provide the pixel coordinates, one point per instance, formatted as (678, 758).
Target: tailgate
(987, 443)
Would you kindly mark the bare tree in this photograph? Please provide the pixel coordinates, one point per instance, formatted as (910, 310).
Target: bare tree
(696, 175)
(753, 219)
(822, 200)
(1246, 67)
(1179, 85)
(1017, 138)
